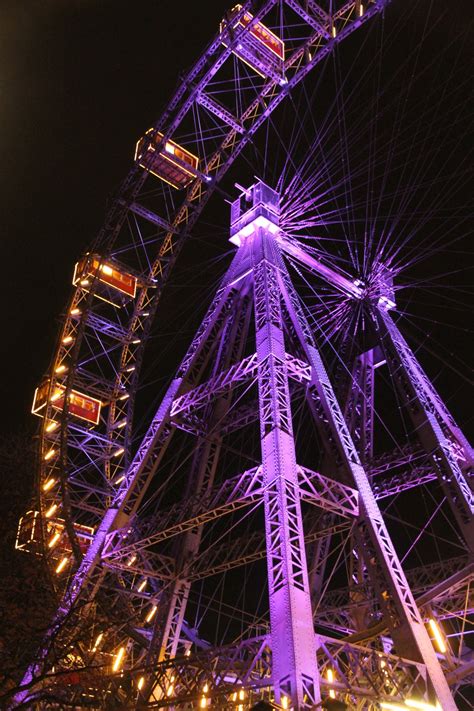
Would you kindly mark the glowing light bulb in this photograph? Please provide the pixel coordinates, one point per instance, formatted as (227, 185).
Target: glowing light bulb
(333, 31)
(49, 455)
(140, 683)
(75, 312)
(54, 540)
(51, 426)
(203, 702)
(60, 567)
(132, 560)
(241, 695)
(60, 369)
(107, 270)
(51, 510)
(118, 660)
(67, 339)
(438, 637)
(49, 484)
(97, 641)
(151, 614)
(170, 690)
(205, 688)
(142, 585)
(118, 452)
(330, 678)
(284, 702)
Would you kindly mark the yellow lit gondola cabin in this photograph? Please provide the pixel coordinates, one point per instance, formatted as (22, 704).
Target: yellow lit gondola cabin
(82, 406)
(113, 281)
(168, 161)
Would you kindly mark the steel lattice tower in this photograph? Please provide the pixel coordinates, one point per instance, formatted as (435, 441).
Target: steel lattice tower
(253, 388)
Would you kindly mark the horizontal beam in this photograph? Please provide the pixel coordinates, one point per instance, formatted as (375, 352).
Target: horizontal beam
(330, 275)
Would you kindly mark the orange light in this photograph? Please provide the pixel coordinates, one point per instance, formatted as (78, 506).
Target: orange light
(60, 369)
(241, 695)
(333, 31)
(438, 637)
(67, 339)
(75, 312)
(140, 683)
(330, 678)
(61, 565)
(51, 510)
(118, 452)
(151, 614)
(51, 426)
(118, 659)
(142, 585)
(49, 484)
(49, 455)
(97, 641)
(54, 540)
(132, 560)
(203, 702)
(284, 702)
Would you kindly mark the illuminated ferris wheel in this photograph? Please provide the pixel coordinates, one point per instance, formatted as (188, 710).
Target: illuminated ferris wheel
(231, 539)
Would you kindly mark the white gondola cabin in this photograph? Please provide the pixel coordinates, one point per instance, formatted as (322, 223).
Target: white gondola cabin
(167, 160)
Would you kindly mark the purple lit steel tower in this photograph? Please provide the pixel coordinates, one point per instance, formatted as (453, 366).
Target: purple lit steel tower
(288, 660)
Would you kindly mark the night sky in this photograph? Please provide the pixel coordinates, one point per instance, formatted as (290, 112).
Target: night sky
(80, 80)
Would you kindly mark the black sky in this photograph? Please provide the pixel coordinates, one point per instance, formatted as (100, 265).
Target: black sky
(79, 82)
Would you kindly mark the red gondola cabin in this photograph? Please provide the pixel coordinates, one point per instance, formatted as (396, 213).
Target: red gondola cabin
(168, 161)
(82, 406)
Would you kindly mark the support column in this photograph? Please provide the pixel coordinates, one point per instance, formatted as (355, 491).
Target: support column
(396, 599)
(293, 641)
(436, 428)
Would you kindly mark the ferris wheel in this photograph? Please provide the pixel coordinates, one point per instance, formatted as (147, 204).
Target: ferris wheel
(151, 519)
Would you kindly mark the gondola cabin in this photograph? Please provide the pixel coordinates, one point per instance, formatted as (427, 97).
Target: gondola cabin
(81, 406)
(167, 160)
(29, 535)
(114, 283)
(259, 47)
